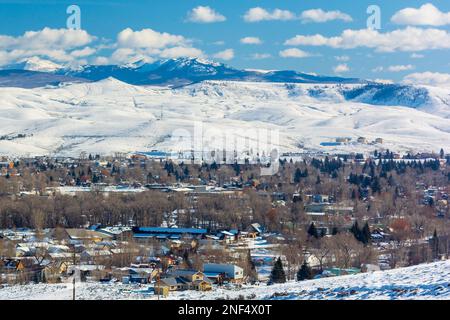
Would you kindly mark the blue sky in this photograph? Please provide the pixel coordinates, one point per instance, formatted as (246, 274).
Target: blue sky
(412, 46)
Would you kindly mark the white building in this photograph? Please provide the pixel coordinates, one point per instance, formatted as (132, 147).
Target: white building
(231, 271)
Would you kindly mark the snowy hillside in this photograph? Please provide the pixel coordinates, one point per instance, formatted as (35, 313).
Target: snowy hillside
(109, 116)
(427, 281)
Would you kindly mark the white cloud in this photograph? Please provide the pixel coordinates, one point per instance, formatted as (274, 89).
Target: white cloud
(101, 60)
(294, 53)
(203, 14)
(149, 45)
(320, 16)
(60, 45)
(260, 14)
(399, 68)
(148, 38)
(408, 39)
(251, 40)
(341, 68)
(64, 39)
(394, 68)
(219, 43)
(426, 15)
(417, 56)
(87, 51)
(74, 47)
(378, 69)
(260, 56)
(177, 52)
(127, 55)
(428, 78)
(227, 54)
(342, 58)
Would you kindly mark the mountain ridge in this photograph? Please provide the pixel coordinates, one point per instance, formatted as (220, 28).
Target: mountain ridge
(170, 72)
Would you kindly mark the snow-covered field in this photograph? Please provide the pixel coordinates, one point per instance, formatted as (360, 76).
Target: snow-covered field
(427, 281)
(111, 116)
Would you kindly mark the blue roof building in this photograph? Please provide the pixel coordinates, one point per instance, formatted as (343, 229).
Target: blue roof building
(167, 233)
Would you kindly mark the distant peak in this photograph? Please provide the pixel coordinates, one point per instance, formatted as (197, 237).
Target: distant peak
(190, 60)
(36, 64)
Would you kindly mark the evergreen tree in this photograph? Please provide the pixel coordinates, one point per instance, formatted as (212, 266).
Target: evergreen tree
(356, 231)
(297, 175)
(434, 242)
(334, 231)
(442, 154)
(362, 235)
(353, 194)
(186, 172)
(312, 231)
(277, 275)
(365, 234)
(237, 168)
(304, 273)
(252, 273)
(376, 187)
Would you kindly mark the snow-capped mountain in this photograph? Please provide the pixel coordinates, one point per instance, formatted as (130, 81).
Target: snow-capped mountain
(35, 64)
(113, 116)
(174, 72)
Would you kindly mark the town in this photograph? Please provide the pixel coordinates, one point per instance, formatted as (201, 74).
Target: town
(161, 226)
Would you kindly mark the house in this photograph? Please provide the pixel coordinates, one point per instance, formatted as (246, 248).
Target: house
(379, 235)
(379, 140)
(92, 255)
(190, 275)
(54, 271)
(162, 290)
(228, 236)
(13, 265)
(140, 273)
(254, 230)
(230, 272)
(201, 285)
(85, 270)
(343, 140)
(337, 272)
(318, 198)
(189, 280)
(171, 283)
(362, 140)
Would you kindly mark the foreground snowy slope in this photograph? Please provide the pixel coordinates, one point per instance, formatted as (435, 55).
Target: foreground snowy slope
(427, 281)
(110, 116)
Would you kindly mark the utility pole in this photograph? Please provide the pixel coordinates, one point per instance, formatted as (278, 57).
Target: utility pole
(74, 273)
(158, 278)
